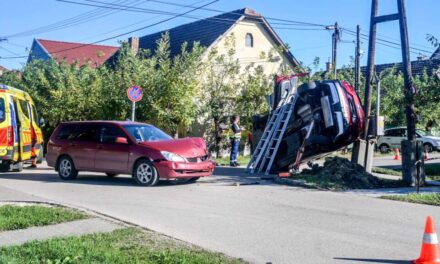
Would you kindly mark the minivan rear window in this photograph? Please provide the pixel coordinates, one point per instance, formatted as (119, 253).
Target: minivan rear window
(2, 110)
(65, 132)
(86, 133)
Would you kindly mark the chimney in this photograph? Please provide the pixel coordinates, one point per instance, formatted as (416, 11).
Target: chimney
(328, 66)
(421, 57)
(134, 44)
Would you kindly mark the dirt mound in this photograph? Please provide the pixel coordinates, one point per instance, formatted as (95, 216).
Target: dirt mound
(340, 173)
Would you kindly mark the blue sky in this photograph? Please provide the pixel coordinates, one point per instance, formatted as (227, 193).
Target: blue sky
(23, 15)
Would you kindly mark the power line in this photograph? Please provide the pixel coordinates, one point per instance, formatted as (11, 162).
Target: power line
(126, 33)
(215, 10)
(73, 21)
(9, 51)
(386, 41)
(101, 4)
(142, 21)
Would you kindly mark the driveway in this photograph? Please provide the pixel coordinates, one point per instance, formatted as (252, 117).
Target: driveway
(258, 222)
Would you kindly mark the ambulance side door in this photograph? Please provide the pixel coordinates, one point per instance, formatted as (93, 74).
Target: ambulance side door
(24, 118)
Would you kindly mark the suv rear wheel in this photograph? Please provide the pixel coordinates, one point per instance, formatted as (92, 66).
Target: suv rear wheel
(384, 148)
(428, 147)
(144, 173)
(66, 168)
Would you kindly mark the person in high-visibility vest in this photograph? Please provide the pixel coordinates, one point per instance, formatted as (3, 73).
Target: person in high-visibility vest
(235, 140)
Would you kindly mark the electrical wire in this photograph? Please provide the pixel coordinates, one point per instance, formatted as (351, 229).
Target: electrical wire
(126, 33)
(73, 21)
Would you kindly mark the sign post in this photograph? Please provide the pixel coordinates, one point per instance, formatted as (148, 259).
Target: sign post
(135, 94)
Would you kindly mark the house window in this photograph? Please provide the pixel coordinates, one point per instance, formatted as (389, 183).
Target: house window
(249, 40)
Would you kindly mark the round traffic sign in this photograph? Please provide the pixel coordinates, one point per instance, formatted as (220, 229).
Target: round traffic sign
(134, 93)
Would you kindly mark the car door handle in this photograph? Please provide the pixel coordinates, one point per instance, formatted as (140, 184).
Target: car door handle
(100, 146)
(72, 144)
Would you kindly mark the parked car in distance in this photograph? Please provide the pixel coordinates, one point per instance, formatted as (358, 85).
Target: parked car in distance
(123, 147)
(393, 137)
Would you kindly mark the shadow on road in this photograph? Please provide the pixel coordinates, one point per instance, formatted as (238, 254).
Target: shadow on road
(385, 261)
(222, 176)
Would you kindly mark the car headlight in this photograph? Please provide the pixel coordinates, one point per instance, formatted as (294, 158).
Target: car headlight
(172, 156)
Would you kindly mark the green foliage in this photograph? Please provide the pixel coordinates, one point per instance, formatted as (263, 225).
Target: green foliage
(18, 217)
(253, 95)
(129, 245)
(177, 90)
(65, 92)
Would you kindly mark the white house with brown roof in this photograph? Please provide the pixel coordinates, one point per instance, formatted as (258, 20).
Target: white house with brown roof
(256, 41)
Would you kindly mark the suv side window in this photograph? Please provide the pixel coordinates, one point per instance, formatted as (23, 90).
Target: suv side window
(109, 133)
(65, 132)
(86, 133)
(394, 133)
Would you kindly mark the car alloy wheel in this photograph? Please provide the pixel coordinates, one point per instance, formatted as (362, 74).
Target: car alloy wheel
(428, 147)
(66, 169)
(145, 174)
(383, 148)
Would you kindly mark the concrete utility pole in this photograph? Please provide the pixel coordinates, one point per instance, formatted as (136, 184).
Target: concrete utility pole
(412, 161)
(336, 37)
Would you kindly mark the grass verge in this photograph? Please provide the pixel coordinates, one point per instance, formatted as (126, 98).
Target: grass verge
(431, 170)
(129, 245)
(338, 185)
(18, 217)
(420, 198)
(387, 171)
(242, 160)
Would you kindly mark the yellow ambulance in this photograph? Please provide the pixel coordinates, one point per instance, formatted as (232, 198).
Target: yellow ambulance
(21, 139)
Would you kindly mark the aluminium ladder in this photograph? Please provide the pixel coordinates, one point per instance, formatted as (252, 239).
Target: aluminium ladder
(272, 132)
(277, 137)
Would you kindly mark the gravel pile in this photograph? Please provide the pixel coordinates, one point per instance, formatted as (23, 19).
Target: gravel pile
(344, 173)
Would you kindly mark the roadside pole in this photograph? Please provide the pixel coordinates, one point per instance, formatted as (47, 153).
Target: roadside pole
(133, 110)
(135, 94)
(336, 37)
(357, 59)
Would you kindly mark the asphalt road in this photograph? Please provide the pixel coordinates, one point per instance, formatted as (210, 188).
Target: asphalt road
(260, 223)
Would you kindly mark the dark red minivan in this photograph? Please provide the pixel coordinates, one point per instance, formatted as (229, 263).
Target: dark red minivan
(122, 147)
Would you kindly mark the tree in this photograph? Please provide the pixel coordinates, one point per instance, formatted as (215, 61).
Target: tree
(220, 87)
(255, 89)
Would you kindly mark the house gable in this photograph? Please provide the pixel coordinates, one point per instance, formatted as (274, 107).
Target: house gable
(255, 44)
(210, 31)
(436, 54)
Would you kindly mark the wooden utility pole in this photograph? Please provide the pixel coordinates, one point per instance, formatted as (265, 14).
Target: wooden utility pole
(336, 37)
(411, 149)
(357, 61)
(410, 90)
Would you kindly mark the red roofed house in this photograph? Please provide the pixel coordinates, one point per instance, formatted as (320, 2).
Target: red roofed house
(93, 55)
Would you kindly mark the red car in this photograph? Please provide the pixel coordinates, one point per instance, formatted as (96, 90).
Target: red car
(113, 147)
(338, 121)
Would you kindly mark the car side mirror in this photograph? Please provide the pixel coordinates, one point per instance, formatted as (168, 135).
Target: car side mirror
(42, 122)
(121, 140)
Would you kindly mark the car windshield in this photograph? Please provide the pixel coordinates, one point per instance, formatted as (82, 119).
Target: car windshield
(423, 133)
(143, 133)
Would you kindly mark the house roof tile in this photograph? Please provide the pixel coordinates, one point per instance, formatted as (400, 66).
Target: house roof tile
(207, 31)
(417, 67)
(94, 55)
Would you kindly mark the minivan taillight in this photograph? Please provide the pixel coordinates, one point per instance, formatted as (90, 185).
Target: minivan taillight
(10, 141)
